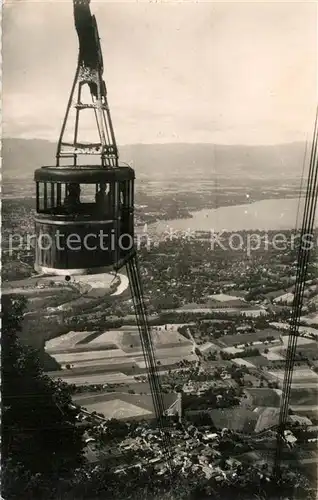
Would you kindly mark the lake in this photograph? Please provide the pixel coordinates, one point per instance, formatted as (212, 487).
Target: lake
(265, 215)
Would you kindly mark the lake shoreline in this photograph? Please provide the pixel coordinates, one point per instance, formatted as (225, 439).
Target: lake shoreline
(266, 215)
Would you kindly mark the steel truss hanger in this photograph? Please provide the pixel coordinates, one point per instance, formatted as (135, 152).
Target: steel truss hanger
(89, 72)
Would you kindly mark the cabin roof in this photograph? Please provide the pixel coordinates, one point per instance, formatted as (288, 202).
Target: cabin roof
(83, 174)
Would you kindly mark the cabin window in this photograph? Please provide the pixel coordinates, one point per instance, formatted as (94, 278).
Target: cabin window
(45, 196)
(73, 198)
(94, 199)
(103, 198)
(49, 196)
(131, 193)
(125, 193)
(88, 193)
(59, 194)
(89, 199)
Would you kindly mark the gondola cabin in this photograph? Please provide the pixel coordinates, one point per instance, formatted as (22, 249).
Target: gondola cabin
(84, 221)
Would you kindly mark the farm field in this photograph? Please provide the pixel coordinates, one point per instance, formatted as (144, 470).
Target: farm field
(301, 341)
(230, 311)
(304, 396)
(267, 418)
(122, 365)
(79, 349)
(309, 350)
(248, 378)
(208, 346)
(167, 361)
(258, 361)
(83, 348)
(222, 297)
(128, 337)
(311, 319)
(66, 341)
(308, 385)
(122, 405)
(116, 408)
(233, 350)
(310, 411)
(87, 361)
(264, 397)
(272, 355)
(97, 378)
(144, 400)
(299, 375)
(77, 357)
(87, 369)
(302, 329)
(231, 340)
(243, 362)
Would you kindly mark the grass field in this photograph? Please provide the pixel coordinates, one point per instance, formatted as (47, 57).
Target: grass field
(244, 362)
(233, 350)
(268, 417)
(110, 356)
(231, 340)
(120, 365)
(273, 356)
(98, 378)
(299, 375)
(118, 409)
(119, 405)
(301, 341)
(68, 340)
(77, 357)
(173, 352)
(168, 361)
(309, 350)
(209, 346)
(304, 396)
(144, 400)
(264, 397)
(222, 297)
(127, 338)
(122, 405)
(258, 361)
(302, 329)
(311, 319)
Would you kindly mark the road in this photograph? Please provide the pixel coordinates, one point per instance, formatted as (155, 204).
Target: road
(123, 285)
(206, 310)
(195, 345)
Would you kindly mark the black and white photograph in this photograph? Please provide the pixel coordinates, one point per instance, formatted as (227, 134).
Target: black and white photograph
(159, 296)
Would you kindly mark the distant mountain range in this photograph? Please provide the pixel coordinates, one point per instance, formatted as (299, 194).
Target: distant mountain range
(170, 161)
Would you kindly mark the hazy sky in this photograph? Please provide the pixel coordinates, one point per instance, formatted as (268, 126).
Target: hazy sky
(176, 72)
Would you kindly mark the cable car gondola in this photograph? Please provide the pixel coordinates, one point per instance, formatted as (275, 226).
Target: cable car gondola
(83, 235)
(84, 221)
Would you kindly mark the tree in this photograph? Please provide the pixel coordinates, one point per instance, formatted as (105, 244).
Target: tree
(40, 436)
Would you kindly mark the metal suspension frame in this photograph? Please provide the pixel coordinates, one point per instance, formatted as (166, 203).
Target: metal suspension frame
(106, 148)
